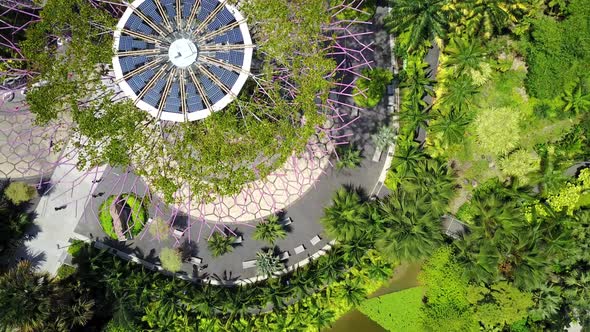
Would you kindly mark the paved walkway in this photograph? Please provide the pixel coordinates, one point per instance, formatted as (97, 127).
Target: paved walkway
(57, 213)
(305, 212)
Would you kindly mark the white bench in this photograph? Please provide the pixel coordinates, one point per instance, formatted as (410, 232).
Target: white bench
(315, 240)
(196, 260)
(299, 249)
(239, 240)
(249, 264)
(178, 233)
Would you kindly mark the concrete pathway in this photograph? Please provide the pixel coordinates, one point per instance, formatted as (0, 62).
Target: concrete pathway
(57, 213)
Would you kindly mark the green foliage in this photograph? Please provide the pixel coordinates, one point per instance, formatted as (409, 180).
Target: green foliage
(20, 192)
(75, 246)
(33, 301)
(485, 19)
(267, 263)
(369, 90)
(497, 130)
(385, 136)
(399, 311)
(453, 304)
(572, 196)
(424, 20)
(220, 244)
(346, 218)
(465, 56)
(171, 259)
(556, 51)
(507, 306)
(411, 214)
(64, 271)
(349, 156)
(503, 244)
(447, 306)
(137, 220)
(269, 230)
(159, 228)
(520, 163)
(458, 93)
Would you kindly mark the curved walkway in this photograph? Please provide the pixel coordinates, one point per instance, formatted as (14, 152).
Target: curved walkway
(305, 212)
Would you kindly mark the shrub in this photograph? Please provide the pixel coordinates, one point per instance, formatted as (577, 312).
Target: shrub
(497, 130)
(106, 221)
(159, 228)
(385, 136)
(75, 247)
(399, 311)
(138, 215)
(269, 230)
(220, 244)
(520, 163)
(348, 157)
(20, 192)
(65, 271)
(369, 91)
(171, 259)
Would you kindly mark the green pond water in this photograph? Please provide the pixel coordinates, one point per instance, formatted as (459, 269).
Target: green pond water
(405, 276)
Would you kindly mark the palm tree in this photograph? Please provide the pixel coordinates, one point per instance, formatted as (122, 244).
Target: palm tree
(352, 291)
(489, 17)
(416, 83)
(385, 136)
(220, 244)
(424, 19)
(269, 230)
(450, 127)
(407, 156)
(414, 116)
(412, 232)
(576, 100)
(458, 93)
(346, 218)
(267, 263)
(330, 267)
(464, 55)
(26, 302)
(348, 157)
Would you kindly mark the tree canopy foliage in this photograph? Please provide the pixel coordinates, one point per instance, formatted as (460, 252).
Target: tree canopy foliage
(250, 138)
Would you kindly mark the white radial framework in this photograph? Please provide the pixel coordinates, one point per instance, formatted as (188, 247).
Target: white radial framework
(181, 60)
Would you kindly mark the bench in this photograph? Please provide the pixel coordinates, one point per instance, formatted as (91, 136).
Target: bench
(315, 240)
(196, 260)
(299, 249)
(249, 264)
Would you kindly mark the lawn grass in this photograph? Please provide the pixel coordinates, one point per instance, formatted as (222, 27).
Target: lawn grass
(399, 311)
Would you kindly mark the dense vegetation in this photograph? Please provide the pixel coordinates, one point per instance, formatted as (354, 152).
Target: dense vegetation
(15, 218)
(509, 117)
(133, 218)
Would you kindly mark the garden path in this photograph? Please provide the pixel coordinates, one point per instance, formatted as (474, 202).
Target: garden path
(305, 212)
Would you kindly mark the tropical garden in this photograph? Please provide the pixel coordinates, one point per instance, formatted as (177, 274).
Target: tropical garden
(505, 109)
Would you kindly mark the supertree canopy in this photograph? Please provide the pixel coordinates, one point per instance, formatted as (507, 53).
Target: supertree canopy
(208, 101)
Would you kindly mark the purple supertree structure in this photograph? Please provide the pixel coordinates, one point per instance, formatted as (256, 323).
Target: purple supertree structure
(346, 42)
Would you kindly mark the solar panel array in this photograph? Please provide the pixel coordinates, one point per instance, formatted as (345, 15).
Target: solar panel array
(142, 52)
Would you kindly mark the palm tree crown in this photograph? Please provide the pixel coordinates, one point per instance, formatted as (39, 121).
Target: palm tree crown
(424, 19)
